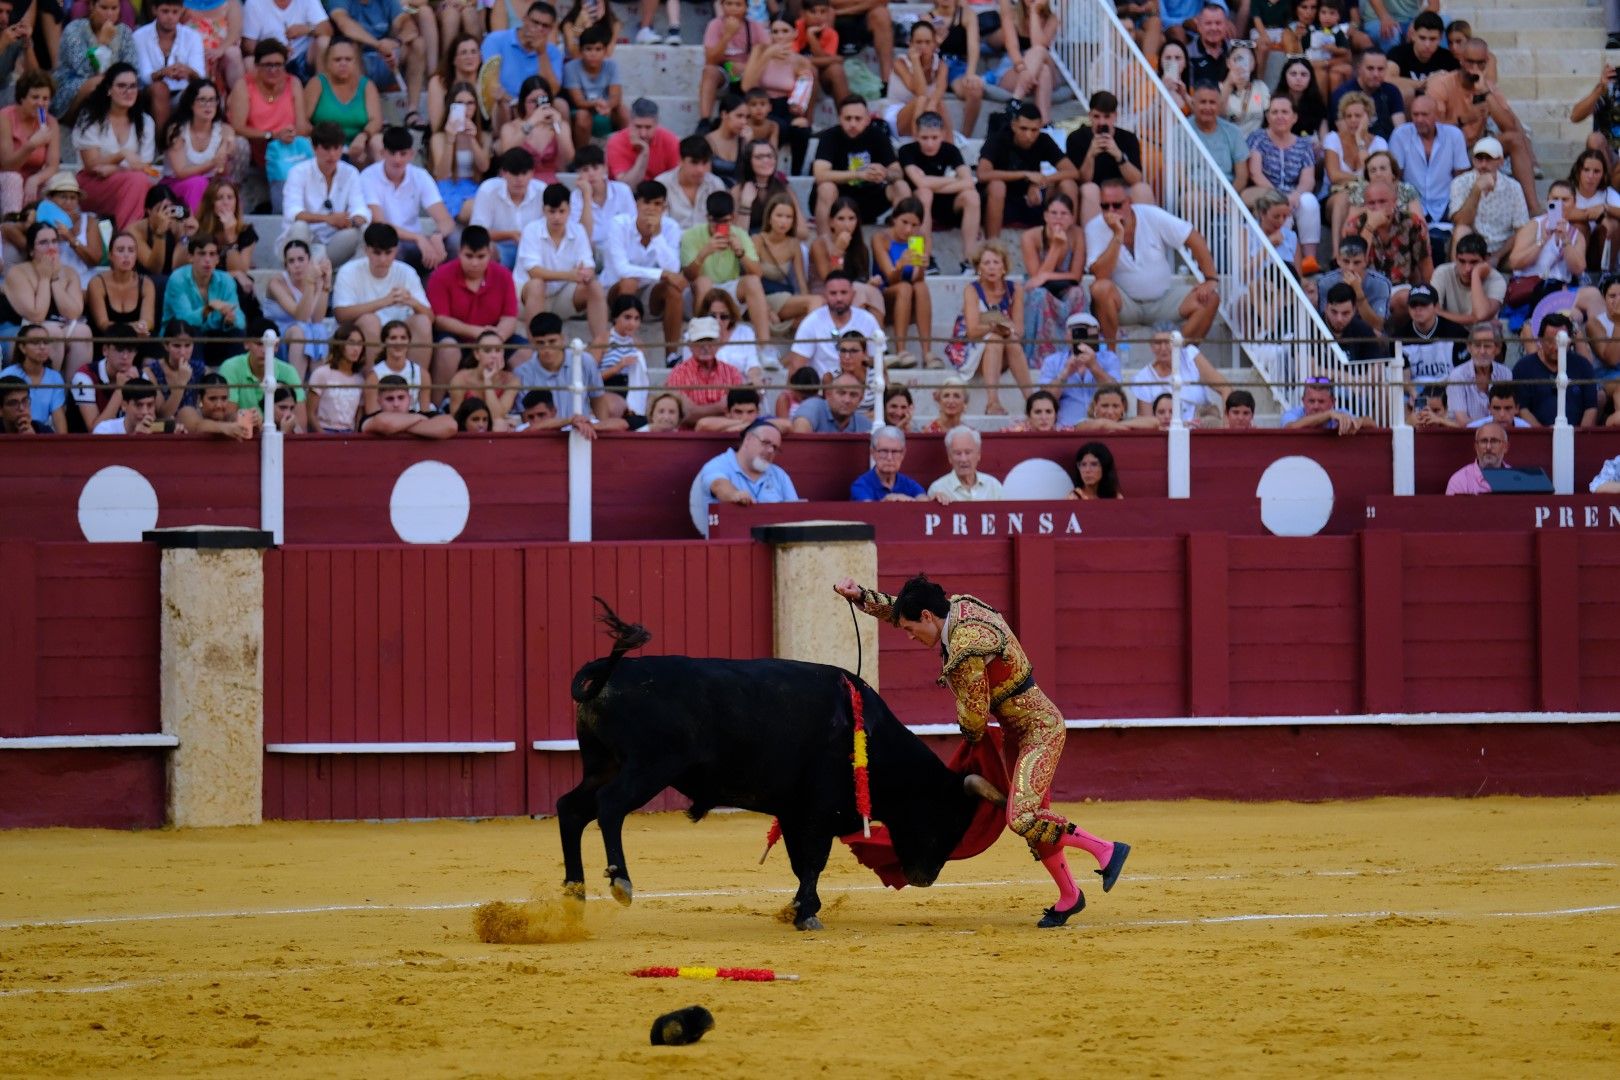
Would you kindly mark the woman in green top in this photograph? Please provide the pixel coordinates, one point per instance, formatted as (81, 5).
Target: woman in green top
(348, 99)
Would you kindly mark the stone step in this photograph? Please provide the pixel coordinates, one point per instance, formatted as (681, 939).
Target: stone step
(1571, 19)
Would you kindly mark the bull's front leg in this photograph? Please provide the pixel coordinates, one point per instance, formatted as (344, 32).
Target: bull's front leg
(807, 848)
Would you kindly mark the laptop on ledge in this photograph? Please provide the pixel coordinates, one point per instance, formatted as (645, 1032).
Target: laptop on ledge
(1517, 481)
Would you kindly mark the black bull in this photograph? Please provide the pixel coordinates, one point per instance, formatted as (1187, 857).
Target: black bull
(774, 736)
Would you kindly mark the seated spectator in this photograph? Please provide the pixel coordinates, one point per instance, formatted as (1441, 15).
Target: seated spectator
(508, 204)
(117, 144)
(1420, 55)
(1072, 375)
(843, 247)
(301, 25)
(783, 275)
(902, 253)
(483, 377)
(1430, 155)
(1346, 153)
(816, 341)
(742, 409)
(1101, 152)
(335, 389)
(965, 483)
(598, 411)
(322, 202)
(30, 143)
(1225, 143)
(1108, 412)
(1469, 289)
(1129, 249)
(1470, 99)
(1536, 373)
(918, 83)
(702, 378)
(1202, 385)
(220, 215)
(1504, 409)
(1342, 310)
(1299, 84)
(758, 178)
(1369, 287)
(343, 96)
(803, 385)
(1040, 415)
(591, 84)
(519, 53)
(837, 410)
(950, 404)
(1607, 480)
(688, 185)
(1171, 64)
(296, 301)
(558, 267)
(1098, 476)
(742, 476)
(644, 150)
(941, 181)
(1319, 409)
(216, 414)
(139, 415)
(727, 41)
(1599, 309)
(1029, 34)
(400, 194)
(1208, 45)
(1431, 346)
(394, 415)
(78, 73)
(460, 62)
(245, 373)
(42, 292)
(1240, 411)
(1472, 382)
(468, 295)
(1397, 243)
(666, 414)
(16, 415)
(379, 289)
(596, 200)
(286, 409)
(786, 80)
(1282, 161)
(1482, 202)
(884, 482)
(898, 408)
(169, 56)
(816, 39)
(728, 140)
(986, 334)
(473, 416)
(265, 107)
(78, 230)
(47, 390)
(177, 373)
(1247, 98)
(120, 294)
(205, 299)
(1548, 252)
(1490, 452)
(391, 44)
(1602, 105)
(641, 261)
(1371, 75)
(459, 155)
(1055, 259)
(719, 254)
(1274, 216)
(394, 358)
(857, 162)
(1429, 409)
(1596, 212)
(620, 358)
(220, 25)
(1018, 165)
(202, 148)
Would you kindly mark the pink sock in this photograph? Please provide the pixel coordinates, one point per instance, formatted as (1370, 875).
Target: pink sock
(1057, 864)
(1100, 849)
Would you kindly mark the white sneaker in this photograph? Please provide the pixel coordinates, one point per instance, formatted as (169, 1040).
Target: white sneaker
(646, 36)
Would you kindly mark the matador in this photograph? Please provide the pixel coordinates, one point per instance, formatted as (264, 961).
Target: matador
(987, 669)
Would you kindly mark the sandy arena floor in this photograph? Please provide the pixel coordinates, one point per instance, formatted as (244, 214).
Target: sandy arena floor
(1395, 937)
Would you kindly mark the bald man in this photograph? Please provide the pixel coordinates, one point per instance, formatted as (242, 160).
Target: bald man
(1490, 452)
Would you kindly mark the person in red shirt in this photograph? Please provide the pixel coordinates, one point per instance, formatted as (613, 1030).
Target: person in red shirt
(703, 378)
(644, 149)
(469, 294)
(815, 38)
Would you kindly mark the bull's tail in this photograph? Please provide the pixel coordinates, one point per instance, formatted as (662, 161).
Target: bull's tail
(626, 636)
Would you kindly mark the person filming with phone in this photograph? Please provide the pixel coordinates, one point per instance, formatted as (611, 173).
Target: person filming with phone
(1072, 375)
(1548, 252)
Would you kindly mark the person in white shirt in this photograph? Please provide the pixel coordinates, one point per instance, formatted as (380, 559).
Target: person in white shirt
(301, 25)
(964, 483)
(1130, 248)
(508, 204)
(556, 269)
(321, 203)
(168, 55)
(690, 183)
(641, 261)
(379, 289)
(140, 411)
(400, 193)
(1201, 383)
(816, 341)
(594, 193)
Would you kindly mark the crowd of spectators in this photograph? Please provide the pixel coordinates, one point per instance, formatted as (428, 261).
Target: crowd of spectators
(422, 275)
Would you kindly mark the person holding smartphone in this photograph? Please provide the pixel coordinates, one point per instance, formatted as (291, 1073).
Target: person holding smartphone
(1548, 251)
(30, 142)
(1073, 374)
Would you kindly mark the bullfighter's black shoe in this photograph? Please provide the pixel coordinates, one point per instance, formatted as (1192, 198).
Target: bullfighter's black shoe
(1052, 917)
(1116, 863)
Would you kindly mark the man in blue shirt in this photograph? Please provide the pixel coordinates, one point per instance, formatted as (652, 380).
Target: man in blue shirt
(836, 411)
(883, 482)
(389, 42)
(524, 51)
(1072, 375)
(1431, 155)
(1536, 371)
(742, 476)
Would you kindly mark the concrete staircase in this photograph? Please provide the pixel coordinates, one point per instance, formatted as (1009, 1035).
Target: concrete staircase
(1549, 54)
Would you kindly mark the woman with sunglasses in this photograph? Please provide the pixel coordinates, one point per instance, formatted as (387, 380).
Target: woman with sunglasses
(539, 129)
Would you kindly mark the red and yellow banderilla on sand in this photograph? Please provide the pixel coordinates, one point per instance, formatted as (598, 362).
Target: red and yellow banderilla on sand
(991, 676)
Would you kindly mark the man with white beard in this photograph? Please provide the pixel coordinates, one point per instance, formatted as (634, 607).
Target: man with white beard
(743, 476)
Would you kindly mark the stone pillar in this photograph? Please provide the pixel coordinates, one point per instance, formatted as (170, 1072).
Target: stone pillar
(811, 622)
(212, 680)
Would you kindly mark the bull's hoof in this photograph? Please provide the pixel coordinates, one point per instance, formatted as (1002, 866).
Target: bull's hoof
(574, 890)
(809, 922)
(978, 786)
(622, 892)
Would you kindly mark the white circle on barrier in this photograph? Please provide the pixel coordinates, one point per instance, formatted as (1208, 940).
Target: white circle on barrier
(116, 506)
(1037, 478)
(429, 504)
(1296, 497)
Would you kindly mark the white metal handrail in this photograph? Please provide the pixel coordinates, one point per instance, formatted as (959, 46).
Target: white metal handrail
(1270, 317)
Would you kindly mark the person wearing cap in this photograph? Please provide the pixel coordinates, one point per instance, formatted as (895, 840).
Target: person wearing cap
(644, 150)
(1490, 452)
(550, 370)
(1482, 202)
(703, 378)
(1431, 346)
(742, 476)
(719, 254)
(1468, 99)
(79, 229)
(1072, 375)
